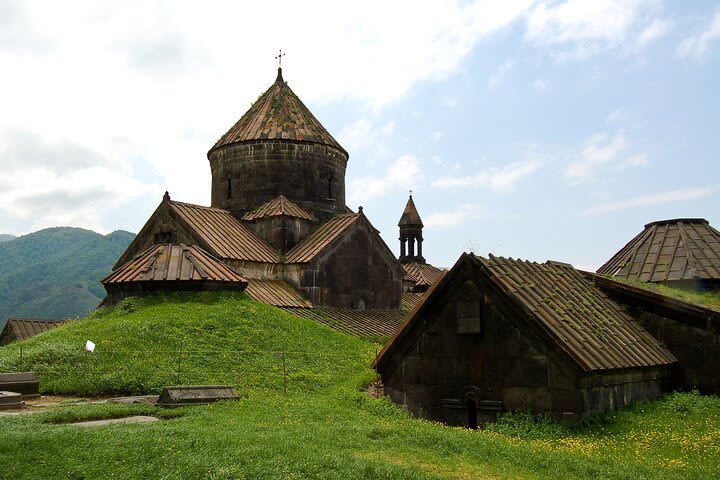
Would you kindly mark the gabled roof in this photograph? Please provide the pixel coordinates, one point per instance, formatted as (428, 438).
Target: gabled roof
(422, 273)
(668, 250)
(592, 329)
(321, 238)
(174, 262)
(278, 115)
(559, 302)
(411, 300)
(372, 324)
(410, 216)
(24, 328)
(224, 234)
(277, 207)
(277, 293)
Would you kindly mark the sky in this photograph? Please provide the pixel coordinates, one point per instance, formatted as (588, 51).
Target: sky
(527, 129)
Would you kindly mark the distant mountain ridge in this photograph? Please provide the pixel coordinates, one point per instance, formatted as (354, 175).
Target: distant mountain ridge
(55, 273)
(6, 237)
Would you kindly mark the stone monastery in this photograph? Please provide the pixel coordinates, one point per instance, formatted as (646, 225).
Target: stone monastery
(489, 335)
(278, 219)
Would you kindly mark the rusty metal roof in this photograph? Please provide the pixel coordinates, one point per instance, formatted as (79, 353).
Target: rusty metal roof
(592, 329)
(315, 243)
(410, 215)
(371, 324)
(277, 293)
(174, 262)
(224, 234)
(278, 115)
(422, 273)
(669, 250)
(411, 300)
(569, 310)
(24, 328)
(278, 207)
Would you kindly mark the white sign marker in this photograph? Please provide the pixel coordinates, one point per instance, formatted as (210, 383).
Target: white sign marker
(89, 346)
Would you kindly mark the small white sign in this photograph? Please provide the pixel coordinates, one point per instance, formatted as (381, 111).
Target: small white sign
(89, 346)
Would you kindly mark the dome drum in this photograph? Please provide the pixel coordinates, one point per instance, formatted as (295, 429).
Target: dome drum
(248, 174)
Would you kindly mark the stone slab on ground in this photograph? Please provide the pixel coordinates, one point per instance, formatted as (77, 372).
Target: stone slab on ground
(113, 421)
(25, 383)
(136, 399)
(11, 401)
(177, 396)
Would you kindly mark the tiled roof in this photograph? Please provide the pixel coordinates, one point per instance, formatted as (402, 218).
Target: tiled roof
(371, 324)
(410, 215)
(680, 249)
(224, 234)
(422, 273)
(277, 293)
(322, 237)
(571, 312)
(277, 207)
(278, 114)
(411, 300)
(24, 328)
(173, 262)
(592, 329)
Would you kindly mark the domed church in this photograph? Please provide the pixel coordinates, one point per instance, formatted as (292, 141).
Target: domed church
(278, 217)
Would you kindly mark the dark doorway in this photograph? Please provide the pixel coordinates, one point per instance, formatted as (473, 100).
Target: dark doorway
(472, 421)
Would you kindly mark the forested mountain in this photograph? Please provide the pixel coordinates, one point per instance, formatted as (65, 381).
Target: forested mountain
(55, 273)
(4, 237)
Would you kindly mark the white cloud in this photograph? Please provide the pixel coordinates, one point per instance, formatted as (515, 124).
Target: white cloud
(497, 76)
(495, 178)
(402, 174)
(581, 28)
(603, 151)
(539, 84)
(170, 81)
(457, 216)
(698, 45)
(652, 32)
(647, 200)
(449, 102)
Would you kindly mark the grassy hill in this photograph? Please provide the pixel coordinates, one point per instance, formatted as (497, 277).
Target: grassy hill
(324, 426)
(55, 273)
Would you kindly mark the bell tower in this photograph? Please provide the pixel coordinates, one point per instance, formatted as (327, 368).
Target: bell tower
(411, 234)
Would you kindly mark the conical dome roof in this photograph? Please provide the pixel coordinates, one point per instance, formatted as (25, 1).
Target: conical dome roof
(278, 115)
(410, 216)
(667, 251)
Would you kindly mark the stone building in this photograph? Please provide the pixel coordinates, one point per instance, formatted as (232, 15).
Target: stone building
(681, 253)
(419, 275)
(278, 217)
(170, 267)
(499, 334)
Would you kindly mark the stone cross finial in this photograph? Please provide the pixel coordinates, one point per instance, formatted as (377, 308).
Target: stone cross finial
(279, 58)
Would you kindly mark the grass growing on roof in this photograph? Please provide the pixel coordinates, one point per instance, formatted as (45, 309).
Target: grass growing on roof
(324, 427)
(707, 299)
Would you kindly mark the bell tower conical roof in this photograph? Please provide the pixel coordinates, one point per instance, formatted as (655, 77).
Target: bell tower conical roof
(278, 114)
(410, 216)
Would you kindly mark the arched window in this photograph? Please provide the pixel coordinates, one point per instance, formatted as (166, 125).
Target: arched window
(229, 188)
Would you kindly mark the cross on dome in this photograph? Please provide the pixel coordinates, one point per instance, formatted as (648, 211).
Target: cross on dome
(279, 58)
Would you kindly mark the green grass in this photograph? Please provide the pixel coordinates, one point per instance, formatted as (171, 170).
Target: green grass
(708, 299)
(325, 426)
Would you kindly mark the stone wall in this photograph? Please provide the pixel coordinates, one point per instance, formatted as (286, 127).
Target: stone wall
(250, 174)
(696, 348)
(282, 232)
(487, 354)
(359, 271)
